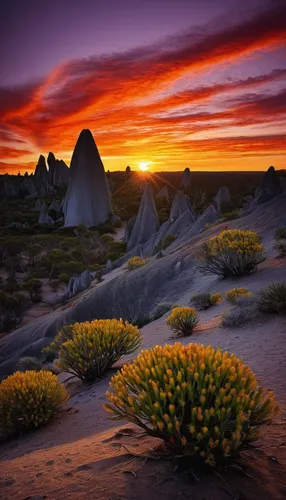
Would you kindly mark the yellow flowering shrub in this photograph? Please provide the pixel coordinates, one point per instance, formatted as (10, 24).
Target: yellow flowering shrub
(136, 262)
(202, 402)
(182, 320)
(232, 253)
(29, 399)
(236, 293)
(96, 345)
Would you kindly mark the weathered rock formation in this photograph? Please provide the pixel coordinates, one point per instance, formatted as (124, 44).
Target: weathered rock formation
(270, 186)
(41, 175)
(147, 222)
(128, 173)
(88, 197)
(186, 180)
(58, 171)
(163, 193)
(180, 203)
(79, 283)
(44, 218)
(222, 196)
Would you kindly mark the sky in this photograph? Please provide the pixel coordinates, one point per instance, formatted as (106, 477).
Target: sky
(175, 83)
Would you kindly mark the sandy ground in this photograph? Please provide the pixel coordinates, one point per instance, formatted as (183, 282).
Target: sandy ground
(82, 454)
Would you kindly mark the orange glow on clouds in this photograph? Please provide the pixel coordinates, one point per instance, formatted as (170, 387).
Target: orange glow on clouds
(210, 122)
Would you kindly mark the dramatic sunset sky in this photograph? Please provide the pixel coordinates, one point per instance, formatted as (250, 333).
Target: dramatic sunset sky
(179, 83)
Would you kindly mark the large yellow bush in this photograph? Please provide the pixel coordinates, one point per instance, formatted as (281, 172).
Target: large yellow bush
(200, 401)
(182, 320)
(29, 400)
(95, 346)
(232, 253)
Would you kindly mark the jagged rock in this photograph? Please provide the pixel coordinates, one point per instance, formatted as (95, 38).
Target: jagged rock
(128, 173)
(111, 184)
(58, 171)
(179, 205)
(10, 188)
(181, 224)
(78, 284)
(115, 219)
(88, 197)
(41, 175)
(163, 193)
(209, 216)
(44, 218)
(55, 206)
(129, 227)
(186, 180)
(108, 266)
(147, 222)
(270, 186)
(222, 196)
(177, 268)
(28, 186)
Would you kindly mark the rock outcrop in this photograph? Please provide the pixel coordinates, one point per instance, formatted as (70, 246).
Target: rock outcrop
(79, 283)
(186, 180)
(41, 175)
(58, 171)
(147, 222)
(88, 197)
(222, 196)
(180, 203)
(163, 193)
(270, 186)
(44, 218)
(128, 173)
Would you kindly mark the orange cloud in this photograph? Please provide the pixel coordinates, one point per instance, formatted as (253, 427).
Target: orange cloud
(108, 94)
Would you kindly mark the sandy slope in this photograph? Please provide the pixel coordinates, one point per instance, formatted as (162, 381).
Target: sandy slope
(79, 455)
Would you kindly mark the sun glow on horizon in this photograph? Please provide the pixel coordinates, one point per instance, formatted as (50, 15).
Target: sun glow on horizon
(144, 165)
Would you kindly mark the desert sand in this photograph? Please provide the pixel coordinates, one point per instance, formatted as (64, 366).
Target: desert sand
(83, 454)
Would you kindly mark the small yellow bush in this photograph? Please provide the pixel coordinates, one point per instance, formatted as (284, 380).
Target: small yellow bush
(183, 320)
(236, 293)
(95, 346)
(136, 262)
(28, 400)
(202, 402)
(232, 253)
(216, 298)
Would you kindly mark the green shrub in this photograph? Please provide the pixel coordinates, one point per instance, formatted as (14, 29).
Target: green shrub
(160, 310)
(49, 354)
(239, 316)
(236, 293)
(34, 288)
(272, 298)
(203, 403)
(280, 233)
(206, 300)
(231, 215)
(95, 346)
(280, 246)
(232, 253)
(28, 400)
(182, 320)
(64, 278)
(29, 363)
(136, 262)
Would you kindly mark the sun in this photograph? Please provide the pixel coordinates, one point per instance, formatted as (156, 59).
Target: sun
(144, 165)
